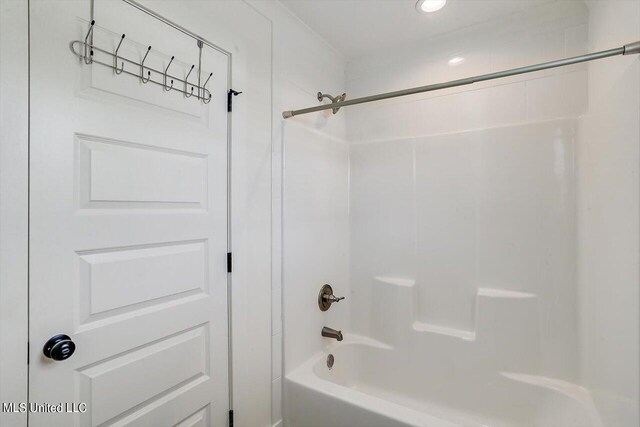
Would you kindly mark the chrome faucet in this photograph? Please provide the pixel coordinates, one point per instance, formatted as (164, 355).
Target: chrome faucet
(332, 333)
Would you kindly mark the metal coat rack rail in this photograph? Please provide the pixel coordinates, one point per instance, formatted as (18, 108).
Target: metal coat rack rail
(85, 51)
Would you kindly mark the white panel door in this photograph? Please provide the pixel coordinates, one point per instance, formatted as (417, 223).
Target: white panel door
(128, 224)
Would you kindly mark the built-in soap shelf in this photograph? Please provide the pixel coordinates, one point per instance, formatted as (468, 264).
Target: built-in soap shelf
(396, 281)
(502, 293)
(498, 312)
(462, 333)
(443, 330)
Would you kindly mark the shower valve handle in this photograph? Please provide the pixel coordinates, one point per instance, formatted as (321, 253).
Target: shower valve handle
(332, 298)
(326, 298)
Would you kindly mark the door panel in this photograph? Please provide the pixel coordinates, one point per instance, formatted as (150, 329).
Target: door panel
(128, 224)
(147, 177)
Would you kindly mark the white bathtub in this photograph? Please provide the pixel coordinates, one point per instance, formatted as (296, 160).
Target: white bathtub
(373, 385)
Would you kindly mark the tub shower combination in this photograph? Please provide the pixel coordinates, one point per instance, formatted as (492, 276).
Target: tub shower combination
(414, 374)
(406, 371)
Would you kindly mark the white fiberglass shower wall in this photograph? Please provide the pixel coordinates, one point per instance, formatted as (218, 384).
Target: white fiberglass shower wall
(492, 233)
(463, 204)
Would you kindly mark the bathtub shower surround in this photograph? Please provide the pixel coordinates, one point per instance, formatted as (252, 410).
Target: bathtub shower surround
(477, 218)
(463, 284)
(481, 224)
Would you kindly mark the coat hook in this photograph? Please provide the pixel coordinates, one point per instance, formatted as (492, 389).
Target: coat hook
(88, 59)
(204, 98)
(187, 95)
(142, 68)
(164, 81)
(207, 81)
(115, 58)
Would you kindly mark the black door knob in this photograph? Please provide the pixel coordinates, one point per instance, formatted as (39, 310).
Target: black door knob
(59, 347)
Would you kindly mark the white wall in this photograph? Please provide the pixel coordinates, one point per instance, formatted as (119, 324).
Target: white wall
(314, 210)
(474, 186)
(14, 69)
(608, 218)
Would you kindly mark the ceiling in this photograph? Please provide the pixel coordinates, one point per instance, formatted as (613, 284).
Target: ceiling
(359, 27)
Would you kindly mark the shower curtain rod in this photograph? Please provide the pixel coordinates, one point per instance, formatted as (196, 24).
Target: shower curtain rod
(628, 49)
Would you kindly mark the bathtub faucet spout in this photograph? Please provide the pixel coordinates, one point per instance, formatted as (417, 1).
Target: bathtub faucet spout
(331, 333)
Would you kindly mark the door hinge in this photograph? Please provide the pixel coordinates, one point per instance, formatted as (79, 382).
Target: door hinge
(231, 418)
(230, 96)
(229, 262)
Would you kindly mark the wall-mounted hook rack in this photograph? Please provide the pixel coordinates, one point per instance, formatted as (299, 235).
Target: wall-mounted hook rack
(85, 51)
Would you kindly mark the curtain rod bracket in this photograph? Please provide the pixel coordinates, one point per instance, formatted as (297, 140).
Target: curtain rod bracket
(333, 99)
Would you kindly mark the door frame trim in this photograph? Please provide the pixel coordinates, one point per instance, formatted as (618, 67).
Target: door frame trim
(14, 206)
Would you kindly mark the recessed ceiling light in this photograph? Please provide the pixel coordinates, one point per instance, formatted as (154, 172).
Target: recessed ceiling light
(430, 5)
(456, 61)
